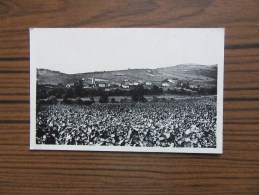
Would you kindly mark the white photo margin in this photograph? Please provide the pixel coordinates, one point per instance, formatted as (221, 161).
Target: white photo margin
(33, 73)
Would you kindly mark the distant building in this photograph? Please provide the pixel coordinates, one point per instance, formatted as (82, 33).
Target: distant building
(102, 85)
(125, 86)
(127, 83)
(117, 84)
(69, 85)
(178, 88)
(93, 82)
(113, 84)
(165, 84)
(171, 81)
(187, 90)
(194, 86)
(148, 83)
(136, 83)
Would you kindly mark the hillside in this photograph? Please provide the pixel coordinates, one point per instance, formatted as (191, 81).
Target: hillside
(45, 76)
(197, 74)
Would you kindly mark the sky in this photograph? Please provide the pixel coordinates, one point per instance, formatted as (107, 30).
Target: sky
(79, 50)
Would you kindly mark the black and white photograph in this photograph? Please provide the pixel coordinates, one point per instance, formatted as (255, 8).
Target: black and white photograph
(127, 89)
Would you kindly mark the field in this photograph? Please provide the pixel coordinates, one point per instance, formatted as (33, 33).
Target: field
(150, 97)
(181, 123)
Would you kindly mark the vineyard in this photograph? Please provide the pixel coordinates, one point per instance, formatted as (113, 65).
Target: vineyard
(181, 123)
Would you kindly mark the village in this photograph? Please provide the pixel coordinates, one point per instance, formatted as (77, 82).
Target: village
(171, 84)
(137, 84)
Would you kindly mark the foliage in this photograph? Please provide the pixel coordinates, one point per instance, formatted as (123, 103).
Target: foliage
(113, 100)
(78, 85)
(79, 100)
(51, 100)
(103, 98)
(138, 94)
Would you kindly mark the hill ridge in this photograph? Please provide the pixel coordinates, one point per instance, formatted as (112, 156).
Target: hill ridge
(196, 73)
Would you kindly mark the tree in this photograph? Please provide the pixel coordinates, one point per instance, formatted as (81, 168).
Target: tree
(41, 91)
(79, 100)
(155, 99)
(201, 91)
(156, 90)
(138, 94)
(59, 91)
(92, 99)
(78, 88)
(52, 100)
(113, 100)
(103, 98)
(187, 85)
(70, 93)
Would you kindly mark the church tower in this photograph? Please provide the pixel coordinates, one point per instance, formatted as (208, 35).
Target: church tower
(93, 82)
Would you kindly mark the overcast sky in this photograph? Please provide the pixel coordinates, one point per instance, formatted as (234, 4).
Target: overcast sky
(77, 50)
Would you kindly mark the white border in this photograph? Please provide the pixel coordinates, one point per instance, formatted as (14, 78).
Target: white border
(219, 134)
(33, 92)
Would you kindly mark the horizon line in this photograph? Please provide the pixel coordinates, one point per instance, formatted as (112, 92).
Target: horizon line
(191, 64)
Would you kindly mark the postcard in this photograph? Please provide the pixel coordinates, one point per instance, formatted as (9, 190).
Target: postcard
(127, 89)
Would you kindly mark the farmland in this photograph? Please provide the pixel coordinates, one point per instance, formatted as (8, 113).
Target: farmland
(185, 122)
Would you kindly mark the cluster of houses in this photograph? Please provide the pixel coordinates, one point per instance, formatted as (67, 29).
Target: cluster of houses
(101, 83)
(172, 84)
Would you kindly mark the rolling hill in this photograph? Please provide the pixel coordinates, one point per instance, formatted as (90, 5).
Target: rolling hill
(194, 73)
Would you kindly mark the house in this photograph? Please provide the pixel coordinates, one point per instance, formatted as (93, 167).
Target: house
(187, 90)
(113, 84)
(125, 86)
(195, 87)
(69, 85)
(178, 88)
(171, 81)
(165, 85)
(127, 83)
(117, 84)
(101, 84)
(148, 83)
